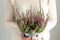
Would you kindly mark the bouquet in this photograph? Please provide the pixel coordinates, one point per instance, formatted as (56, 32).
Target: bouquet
(33, 22)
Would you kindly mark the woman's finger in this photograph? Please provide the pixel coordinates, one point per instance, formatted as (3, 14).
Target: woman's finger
(29, 38)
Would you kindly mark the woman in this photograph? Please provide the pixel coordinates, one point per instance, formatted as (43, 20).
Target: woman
(49, 8)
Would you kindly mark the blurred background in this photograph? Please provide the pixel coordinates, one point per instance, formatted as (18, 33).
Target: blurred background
(5, 33)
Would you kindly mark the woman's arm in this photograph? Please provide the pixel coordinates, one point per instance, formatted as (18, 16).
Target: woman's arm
(10, 16)
(52, 14)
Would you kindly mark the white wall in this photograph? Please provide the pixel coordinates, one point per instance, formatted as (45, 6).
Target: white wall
(55, 33)
(5, 33)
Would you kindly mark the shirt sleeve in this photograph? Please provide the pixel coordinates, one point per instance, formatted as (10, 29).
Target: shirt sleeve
(10, 16)
(52, 15)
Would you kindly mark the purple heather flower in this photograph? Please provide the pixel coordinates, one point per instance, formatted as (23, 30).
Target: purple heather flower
(37, 18)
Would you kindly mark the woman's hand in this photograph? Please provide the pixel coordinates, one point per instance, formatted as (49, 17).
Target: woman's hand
(37, 37)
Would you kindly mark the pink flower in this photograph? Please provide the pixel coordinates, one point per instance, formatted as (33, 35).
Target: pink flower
(37, 18)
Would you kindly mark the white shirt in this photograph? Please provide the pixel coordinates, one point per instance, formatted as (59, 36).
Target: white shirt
(49, 7)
